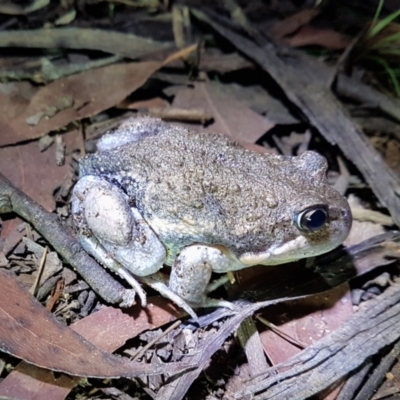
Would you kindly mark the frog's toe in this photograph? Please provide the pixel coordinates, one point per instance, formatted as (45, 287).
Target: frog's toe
(156, 282)
(208, 302)
(128, 298)
(123, 273)
(94, 248)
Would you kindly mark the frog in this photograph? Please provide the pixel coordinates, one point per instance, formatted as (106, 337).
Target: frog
(158, 196)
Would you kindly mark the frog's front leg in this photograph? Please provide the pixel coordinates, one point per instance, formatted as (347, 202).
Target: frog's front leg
(115, 233)
(191, 274)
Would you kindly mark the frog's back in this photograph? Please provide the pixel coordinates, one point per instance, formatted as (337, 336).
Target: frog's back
(197, 187)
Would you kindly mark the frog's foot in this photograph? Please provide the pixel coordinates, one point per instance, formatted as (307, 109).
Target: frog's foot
(128, 298)
(95, 249)
(209, 302)
(217, 283)
(191, 273)
(157, 282)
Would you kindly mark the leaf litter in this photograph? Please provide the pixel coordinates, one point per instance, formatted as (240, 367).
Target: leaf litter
(92, 99)
(73, 98)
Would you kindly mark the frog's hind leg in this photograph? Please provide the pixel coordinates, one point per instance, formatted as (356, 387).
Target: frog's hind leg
(113, 232)
(191, 274)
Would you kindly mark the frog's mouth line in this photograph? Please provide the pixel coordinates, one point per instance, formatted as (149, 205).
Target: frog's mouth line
(290, 251)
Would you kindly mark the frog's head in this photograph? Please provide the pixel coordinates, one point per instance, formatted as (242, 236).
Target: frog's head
(311, 218)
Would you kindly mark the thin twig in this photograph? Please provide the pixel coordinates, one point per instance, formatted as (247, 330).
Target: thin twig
(282, 334)
(39, 272)
(155, 340)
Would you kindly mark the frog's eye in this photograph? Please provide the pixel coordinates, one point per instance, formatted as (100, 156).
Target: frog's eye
(312, 218)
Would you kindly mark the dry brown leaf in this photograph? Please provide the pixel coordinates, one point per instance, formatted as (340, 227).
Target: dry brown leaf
(27, 382)
(35, 172)
(291, 24)
(111, 327)
(14, 98)
(146, 104)
(181, 54)
(108, 329)
(326, 38)
(306, 320)
(231, 117)
(72, 98)
(23, 320)
(295, 31)
(10, 236)
(223, 63)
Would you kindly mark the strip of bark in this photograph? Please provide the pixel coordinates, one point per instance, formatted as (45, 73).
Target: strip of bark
(335, 356)
(122, 44)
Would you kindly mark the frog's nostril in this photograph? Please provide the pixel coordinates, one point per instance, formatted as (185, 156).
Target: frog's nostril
(345, 215)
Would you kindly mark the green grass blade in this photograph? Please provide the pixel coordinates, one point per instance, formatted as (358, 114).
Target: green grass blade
(375, 29)
(389, 52)
(390, 72)
(378, 11)
(387, 40)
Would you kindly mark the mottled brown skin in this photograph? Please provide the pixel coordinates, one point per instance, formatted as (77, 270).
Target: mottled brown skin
(193, 187)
